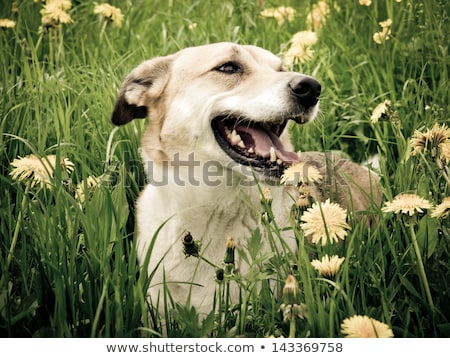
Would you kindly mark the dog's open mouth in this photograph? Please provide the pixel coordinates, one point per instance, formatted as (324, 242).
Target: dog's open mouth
(253, 143)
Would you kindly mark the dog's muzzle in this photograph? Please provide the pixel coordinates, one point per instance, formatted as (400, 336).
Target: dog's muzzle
(257, 144)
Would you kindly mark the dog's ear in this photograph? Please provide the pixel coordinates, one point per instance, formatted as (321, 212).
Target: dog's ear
(142, 85)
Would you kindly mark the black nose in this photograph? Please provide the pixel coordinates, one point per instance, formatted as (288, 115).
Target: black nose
(306, 89)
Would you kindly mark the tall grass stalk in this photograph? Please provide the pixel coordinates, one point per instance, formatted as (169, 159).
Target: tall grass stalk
(423, 275)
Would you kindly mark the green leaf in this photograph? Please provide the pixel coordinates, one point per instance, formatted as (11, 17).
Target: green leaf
(122, 209)
(427, 235)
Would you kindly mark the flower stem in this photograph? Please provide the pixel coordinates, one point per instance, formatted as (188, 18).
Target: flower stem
(445, 175)
(102, 31)
(422, 273)
(207, 261)
(292, 327)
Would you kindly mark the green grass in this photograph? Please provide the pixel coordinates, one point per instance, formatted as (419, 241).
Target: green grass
(69, 269)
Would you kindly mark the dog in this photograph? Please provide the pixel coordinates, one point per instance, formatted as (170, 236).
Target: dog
(218, 125)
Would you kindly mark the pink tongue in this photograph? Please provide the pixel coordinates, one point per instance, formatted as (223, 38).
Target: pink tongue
(264, 140)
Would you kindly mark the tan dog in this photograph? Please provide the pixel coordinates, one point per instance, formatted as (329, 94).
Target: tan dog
(218, 118)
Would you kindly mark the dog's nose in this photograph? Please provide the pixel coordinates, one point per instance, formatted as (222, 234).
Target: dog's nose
(306, 89)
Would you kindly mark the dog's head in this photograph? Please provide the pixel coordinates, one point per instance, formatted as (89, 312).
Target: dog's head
(220, 101)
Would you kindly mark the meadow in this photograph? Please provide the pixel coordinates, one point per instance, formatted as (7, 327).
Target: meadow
(67, 253)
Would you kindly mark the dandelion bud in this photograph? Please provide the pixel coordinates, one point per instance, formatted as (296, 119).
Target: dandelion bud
(266, 195)
(304, 199)
(266, 218)
(220, 274)
(230, 247)
(266, 203)
(190, 246)
(291, 291)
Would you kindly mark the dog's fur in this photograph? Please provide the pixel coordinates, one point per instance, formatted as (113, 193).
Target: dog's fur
(183, 94)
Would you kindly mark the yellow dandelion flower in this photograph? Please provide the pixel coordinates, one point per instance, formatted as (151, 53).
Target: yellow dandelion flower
(281, 14)
(406, 204)
(365, 327)
(300, 173)
(431, 141)
(297, 54)
(325, 221)
(328, 266)
(420, 142)
(7, 24)
(386, 23)
(270, 12)
(38, 170)
(445, 152)
(285, 13)
(66, 164)
(63, 4)
(316, 18)
(86, 188)
(442, 210)
(54, 13)
(300, 50)
(110, 12)
(382, 36)
(382, 110)
(304, 38)
(365, 2)
(385, 33)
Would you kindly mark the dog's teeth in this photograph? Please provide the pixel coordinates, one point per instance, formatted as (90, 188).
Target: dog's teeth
(273, 156)
(279, 161)
(235, 138)
(241, 144)
(251, 150)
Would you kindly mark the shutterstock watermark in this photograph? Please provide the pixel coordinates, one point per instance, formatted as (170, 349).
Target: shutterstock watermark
(191, 171)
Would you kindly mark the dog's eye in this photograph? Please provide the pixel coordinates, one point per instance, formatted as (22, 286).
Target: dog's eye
(229, 68)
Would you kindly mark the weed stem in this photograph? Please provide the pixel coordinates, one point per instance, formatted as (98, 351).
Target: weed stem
(17, 228)
(292, 327)
(423, 275)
